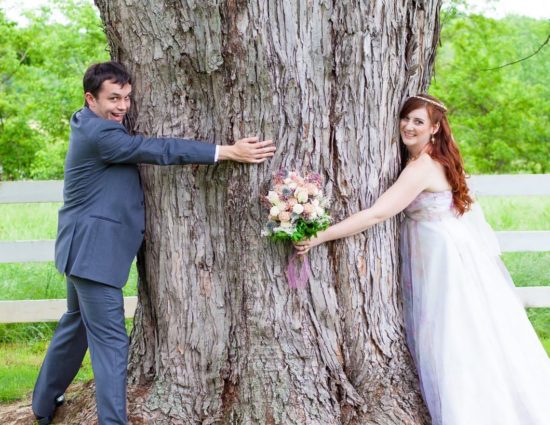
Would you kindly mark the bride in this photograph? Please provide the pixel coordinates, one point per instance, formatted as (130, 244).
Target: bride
(478, 358)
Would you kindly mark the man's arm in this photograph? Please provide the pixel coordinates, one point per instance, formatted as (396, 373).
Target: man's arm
(117, 146)
(248, 150)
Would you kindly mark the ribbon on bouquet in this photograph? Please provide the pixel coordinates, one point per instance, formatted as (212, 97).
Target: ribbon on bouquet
(298, 271)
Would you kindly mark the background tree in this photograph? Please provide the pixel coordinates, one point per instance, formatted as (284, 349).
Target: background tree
(218, 336)
(498, 115)
(41, 85)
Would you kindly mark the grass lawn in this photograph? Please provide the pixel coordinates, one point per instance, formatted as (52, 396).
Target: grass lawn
(19, 367)
(517, 212)
(22, 346)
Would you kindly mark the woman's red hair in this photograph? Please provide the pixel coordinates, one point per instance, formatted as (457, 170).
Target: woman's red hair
(444, 150)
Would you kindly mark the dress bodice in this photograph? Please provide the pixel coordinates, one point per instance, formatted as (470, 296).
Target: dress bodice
(430, 206)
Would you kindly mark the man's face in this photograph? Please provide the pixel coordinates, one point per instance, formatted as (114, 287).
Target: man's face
(112, 101)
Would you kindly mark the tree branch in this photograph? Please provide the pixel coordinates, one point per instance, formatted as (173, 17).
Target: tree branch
(5, 79)
(522, 59)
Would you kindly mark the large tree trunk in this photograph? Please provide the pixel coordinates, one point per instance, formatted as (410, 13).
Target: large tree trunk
(218, 336)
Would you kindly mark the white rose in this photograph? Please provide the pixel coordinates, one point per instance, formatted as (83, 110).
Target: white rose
(274, 211)
(320, 211)
(292, 185)
(301, 196)
(298, 209)
(273, 197)
(315, 202)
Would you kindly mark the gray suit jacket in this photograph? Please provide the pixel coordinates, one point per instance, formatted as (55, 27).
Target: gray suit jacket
(102, 221)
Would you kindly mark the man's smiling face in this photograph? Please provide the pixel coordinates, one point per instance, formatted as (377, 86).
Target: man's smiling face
(112, 101)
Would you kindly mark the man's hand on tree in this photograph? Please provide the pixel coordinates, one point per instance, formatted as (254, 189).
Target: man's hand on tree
(248, 150)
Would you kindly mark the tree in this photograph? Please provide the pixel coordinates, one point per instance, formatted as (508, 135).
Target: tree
(218, 336)
(498, 114)
(41, 85)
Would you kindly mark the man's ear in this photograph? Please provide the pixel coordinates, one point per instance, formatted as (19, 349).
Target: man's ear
(90, 99)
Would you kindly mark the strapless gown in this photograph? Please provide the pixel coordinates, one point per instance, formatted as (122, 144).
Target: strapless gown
(479, 359)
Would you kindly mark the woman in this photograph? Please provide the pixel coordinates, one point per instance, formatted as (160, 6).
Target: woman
(478, 358)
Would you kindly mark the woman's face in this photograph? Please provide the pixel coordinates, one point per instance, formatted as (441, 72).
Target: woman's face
(416, 129)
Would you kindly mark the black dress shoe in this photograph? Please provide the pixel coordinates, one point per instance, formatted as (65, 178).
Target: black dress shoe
(44, 420)
(47, 420)
(59, 400)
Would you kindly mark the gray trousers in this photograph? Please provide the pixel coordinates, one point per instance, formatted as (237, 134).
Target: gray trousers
(94, 319)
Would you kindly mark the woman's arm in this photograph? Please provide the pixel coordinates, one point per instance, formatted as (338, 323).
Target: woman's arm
(414, 179)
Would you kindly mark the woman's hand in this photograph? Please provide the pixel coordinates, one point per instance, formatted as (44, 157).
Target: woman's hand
(303, 247)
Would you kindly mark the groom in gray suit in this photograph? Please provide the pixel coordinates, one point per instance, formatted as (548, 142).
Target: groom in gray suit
(100, 229)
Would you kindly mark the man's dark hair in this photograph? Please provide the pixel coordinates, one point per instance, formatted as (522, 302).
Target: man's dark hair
(106, 71)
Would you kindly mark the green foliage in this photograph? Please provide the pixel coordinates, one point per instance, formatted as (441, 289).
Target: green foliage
(498, 116)
(48, 162)
(304, 230)
(41, 85)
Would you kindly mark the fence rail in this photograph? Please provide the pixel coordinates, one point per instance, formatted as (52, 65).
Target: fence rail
(495, 185)
(31, 191)
(511, 185)
(52, 191)
(43, 251)
(27, 311)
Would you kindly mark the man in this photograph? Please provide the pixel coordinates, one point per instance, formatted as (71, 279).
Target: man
(100, 230)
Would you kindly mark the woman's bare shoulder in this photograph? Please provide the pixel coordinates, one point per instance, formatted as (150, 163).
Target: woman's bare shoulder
(434, 173)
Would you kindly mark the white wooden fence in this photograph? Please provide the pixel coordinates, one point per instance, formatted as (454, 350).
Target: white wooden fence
(52, 191)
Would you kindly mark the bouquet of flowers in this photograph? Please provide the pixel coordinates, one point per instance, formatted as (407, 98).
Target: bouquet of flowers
(297, 207)
(297, 211)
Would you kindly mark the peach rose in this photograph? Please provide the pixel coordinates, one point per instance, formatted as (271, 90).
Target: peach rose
(284, 216)
(308, 209)
(312, 189)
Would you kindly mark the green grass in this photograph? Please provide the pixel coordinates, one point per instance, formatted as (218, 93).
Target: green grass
(540, 318)
(528, 268)
(39, 281)
(23, 345)
(517, 212)
(30, 281)
(20, 365)
(28, 221)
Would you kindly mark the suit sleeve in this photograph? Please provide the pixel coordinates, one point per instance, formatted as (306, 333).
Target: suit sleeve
(116, 146)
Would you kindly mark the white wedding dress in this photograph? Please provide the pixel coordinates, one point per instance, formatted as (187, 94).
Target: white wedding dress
(478, 358)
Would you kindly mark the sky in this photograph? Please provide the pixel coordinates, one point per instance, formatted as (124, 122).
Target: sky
(494, 8)
(499, 8)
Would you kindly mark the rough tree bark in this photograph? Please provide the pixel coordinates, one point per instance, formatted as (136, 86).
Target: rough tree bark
(218, 336)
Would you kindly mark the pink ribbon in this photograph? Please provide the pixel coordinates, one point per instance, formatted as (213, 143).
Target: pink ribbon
(298, 272)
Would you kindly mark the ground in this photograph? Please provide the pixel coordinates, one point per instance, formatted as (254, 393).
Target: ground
(78, 409)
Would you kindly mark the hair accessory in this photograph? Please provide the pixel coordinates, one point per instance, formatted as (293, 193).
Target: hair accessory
(433, 102)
